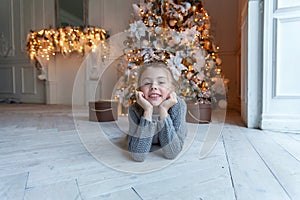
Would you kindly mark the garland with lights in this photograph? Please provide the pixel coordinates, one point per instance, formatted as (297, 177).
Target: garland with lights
(65, 40)
(175, 32)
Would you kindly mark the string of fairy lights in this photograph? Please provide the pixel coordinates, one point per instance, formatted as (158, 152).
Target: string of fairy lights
(65, 40)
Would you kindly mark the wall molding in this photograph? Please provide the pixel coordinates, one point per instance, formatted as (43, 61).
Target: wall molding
(279, 48)
(44, 18)
(286, 3)
(22, 31)
(10, 72)
(25, 77)
(33, 18)
(8, 28)
(290, 12)
(12, 29)
(51, 92)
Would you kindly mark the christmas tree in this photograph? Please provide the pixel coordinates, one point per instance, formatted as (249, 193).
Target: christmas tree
(176, 32)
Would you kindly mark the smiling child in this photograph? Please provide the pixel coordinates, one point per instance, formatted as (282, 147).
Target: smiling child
(158, 115)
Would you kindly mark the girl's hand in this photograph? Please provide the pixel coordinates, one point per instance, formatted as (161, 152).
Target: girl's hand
(146, 105)
(167, 104)
(140, 99)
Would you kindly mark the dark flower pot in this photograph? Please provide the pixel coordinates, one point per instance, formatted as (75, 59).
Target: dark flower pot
(103, 111)
(198, 113)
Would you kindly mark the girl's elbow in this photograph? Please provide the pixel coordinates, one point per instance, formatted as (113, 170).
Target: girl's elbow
(171, 155)
(138, 157)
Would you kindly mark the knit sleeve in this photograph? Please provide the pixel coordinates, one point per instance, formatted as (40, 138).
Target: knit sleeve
(173, 130)
(141, 132)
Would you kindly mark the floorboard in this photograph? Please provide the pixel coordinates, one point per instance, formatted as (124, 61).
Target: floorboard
(12, 187)
(41, 154)
(196, 184)
(284, 167)
(59, 190)
(124, 194)
(251, 177)
(188, 161)
(287, 142)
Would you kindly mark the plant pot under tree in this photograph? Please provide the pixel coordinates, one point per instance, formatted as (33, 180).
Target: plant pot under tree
(198, 113)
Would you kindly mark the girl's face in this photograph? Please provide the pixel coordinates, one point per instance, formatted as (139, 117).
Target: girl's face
(155, 84)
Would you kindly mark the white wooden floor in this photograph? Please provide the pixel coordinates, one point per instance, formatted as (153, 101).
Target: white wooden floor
(42, 157)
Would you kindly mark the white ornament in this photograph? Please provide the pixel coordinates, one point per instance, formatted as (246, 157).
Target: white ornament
(177, 40)
(138, 29)
(158, 30)
(42, 77)
(145, 43)
(222, 104)
(136, 9)
(200, 59)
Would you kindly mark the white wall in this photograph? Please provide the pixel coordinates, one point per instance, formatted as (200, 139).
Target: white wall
(114, 17)
(224, 17)
(61, 76)
(243, 10)
(251, 62)
(281, 91)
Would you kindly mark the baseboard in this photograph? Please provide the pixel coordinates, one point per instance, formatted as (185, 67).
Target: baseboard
(283, 123)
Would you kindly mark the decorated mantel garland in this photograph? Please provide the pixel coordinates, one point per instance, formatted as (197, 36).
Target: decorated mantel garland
(64, 40)
(44, 44)
(175, 32)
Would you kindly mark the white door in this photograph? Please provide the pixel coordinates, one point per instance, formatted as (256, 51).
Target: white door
(281, 91)
(18, 76)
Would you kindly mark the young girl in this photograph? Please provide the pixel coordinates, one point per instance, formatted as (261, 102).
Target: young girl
(158, 115)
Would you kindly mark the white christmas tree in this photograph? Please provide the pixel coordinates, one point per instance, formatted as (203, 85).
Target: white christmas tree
(178, 33)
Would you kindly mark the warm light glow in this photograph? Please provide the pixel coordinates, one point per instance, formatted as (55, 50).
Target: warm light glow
(64, 40)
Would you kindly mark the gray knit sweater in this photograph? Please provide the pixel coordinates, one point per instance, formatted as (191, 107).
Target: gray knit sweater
(170, 132)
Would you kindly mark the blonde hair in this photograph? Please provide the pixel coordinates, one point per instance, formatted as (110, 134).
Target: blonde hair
(161, 65)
